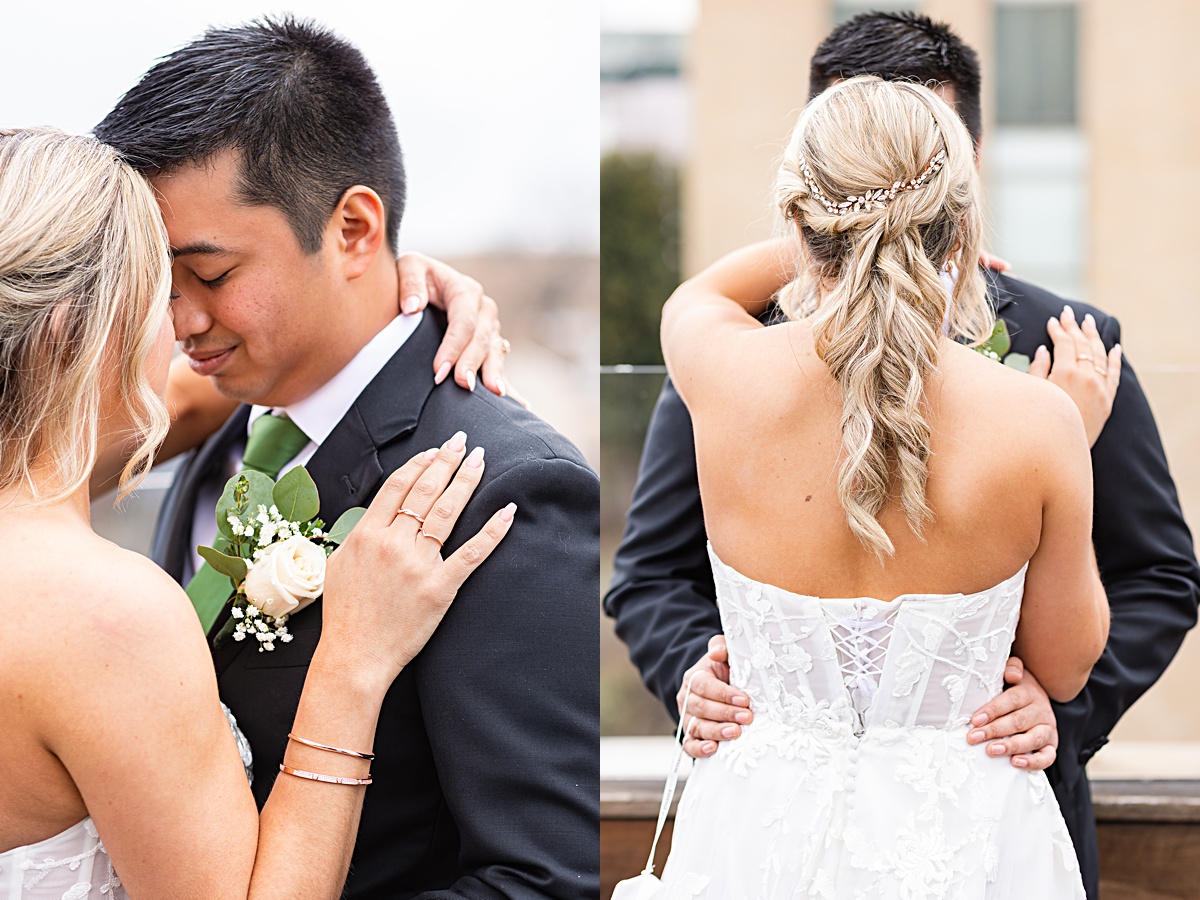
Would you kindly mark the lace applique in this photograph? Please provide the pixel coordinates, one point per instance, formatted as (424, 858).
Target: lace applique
(38, 872)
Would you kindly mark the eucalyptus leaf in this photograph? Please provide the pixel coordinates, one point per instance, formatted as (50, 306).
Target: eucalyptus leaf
(999, 342)
(1018, 361)
(233, 566)
(258, 493)
(344, 525)
(296, 495)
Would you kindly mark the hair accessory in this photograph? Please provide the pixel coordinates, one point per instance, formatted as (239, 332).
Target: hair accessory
(316, 746)
(872, 199)
(324, 779)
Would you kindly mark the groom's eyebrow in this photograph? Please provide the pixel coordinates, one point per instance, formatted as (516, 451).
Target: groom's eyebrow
(203, 248)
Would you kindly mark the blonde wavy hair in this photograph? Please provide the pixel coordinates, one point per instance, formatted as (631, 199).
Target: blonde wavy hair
(85, 281)
(868, 277)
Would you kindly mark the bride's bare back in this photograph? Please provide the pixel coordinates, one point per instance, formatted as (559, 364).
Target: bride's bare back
(769, 448)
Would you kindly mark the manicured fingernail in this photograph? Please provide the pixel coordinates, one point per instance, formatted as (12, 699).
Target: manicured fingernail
(1088, 320)
(1069, 313)
(442, 373)
(458, 442)
(431, 453)
(470, 381)
(508, 512)
(708, 748)
(475, 460)
(501, 388)
(739, 700)
(1020, 762)
(1053, 323)
(975, 737)
(742, 718)
(980, 718)
(729, 731)
(996, 749)
(1041, 350)
(411, 304)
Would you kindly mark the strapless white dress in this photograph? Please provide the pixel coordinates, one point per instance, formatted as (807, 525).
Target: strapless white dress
(73, 865)
(855, 779)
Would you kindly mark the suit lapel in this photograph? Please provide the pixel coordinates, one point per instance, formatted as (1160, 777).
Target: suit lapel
(346, 466)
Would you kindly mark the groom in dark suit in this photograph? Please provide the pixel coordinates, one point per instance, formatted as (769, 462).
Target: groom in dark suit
(280, 179)
(662, 592)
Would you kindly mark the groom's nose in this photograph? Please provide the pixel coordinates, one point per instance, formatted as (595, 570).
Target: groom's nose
(191, 318)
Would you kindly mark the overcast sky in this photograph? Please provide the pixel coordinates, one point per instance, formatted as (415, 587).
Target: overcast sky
(496, 103)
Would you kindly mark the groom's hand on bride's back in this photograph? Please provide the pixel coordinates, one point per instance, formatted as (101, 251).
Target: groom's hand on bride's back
(1019, 723)
(715, 711)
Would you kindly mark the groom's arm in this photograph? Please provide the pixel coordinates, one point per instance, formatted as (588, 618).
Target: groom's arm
(662, 592)
(509, 692)
(1147, 562)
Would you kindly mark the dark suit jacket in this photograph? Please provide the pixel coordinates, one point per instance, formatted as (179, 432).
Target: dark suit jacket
(662, 592)
(486, 770)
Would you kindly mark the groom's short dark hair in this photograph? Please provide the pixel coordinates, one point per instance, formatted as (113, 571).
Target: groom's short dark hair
(300, 105)
(901, 46)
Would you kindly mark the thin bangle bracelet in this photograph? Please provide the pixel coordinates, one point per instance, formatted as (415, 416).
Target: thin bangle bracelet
(316, 746)
(325, 779)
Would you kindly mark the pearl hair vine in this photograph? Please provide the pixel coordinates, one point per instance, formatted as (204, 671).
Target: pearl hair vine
(874, 198)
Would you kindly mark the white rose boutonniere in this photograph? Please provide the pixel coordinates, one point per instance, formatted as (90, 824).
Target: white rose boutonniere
(273, 550)
(287, 577)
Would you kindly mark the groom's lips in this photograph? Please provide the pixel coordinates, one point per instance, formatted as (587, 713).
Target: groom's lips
(208, 362)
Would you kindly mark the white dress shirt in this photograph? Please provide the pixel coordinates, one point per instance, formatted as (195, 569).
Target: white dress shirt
(316, 415)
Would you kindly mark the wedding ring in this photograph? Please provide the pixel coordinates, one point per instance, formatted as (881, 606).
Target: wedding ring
(1082, 358)
(411, 514)
(505, 346)
(688, 728)
(423, 533)
(1100, 371)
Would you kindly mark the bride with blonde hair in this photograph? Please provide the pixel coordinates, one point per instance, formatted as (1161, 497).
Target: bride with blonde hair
(890, 514)
(122, 776)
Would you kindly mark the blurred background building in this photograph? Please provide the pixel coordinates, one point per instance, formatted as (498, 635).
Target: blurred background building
(1092, 185)
(496, 109)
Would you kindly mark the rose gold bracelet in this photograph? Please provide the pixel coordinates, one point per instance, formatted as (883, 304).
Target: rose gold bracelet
(326, 779)
(316, 746)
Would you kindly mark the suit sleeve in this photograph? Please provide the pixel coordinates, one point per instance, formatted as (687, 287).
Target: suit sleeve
(662, 593)
(509, 692)
(1147, 561)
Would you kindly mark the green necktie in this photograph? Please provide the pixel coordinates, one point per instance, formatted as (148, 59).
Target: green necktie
(273, 441)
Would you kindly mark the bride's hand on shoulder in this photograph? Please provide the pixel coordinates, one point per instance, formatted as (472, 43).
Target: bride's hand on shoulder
(387, 586)
(472, 342)
(1082, 367)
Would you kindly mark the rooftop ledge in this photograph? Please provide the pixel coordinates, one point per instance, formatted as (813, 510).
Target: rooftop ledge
(1132, 781)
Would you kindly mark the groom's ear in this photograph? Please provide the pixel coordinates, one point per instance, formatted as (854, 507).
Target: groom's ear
(359, 226)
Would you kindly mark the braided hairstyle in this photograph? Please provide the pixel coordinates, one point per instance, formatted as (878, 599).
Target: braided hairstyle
(868, 275)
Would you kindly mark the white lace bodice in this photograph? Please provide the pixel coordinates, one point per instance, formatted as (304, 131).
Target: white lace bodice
(855, 781)
(71, 865)
(921, 659)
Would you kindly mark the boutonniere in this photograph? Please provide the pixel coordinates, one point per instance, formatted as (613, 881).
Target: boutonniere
(276, 553)
(997, 346)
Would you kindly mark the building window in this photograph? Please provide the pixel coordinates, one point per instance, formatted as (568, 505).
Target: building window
(1035, 52)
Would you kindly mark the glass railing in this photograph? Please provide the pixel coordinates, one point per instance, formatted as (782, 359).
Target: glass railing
(627, 397)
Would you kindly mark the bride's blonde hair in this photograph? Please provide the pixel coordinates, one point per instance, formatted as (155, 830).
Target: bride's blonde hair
(85, 280)
(871, 246)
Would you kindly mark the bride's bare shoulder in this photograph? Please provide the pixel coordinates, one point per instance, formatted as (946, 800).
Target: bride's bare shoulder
(78, 599)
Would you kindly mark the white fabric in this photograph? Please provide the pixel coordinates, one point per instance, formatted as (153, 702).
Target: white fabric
(316, 415)
(855, 779)
(69, 866)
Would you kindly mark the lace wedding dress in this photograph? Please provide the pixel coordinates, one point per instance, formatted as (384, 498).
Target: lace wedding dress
(73, 865)
(855, 779)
